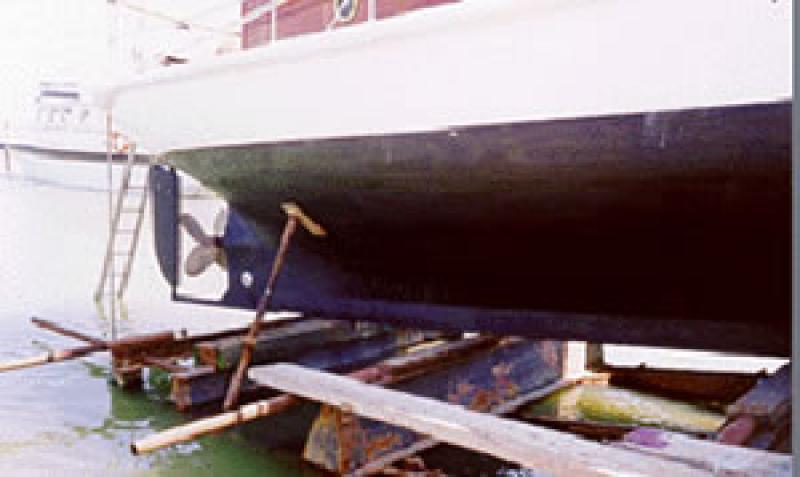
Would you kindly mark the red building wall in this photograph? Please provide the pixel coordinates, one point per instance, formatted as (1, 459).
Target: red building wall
(297, 17)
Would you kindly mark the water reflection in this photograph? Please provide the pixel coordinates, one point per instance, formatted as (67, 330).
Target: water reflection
(65, 418)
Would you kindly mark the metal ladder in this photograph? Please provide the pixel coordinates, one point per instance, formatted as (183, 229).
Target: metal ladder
(119, 227)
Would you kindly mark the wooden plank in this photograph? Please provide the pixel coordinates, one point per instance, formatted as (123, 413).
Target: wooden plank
(51, 357)
(770, 398)
(193, 387)
(281, 343)
(737, 431)
(241, 331)
(679, 383)
(56, 328)
(208, 425)
(425, 444)
(544, 450)
(709, 456)
(166, 364)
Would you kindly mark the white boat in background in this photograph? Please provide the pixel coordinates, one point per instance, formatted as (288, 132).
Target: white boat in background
(66, 118)
(65, 122)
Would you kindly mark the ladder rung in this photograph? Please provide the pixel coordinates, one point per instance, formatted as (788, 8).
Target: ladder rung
(125, 231)
(130, 209)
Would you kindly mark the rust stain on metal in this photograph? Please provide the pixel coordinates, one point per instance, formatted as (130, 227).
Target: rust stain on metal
(502, 388)
(462, 391)
(482, 401)
(381, 444)
(348, 432)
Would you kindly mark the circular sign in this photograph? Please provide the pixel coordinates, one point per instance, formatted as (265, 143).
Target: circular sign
(345, 10)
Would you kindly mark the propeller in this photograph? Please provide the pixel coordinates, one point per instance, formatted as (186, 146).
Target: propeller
(209, 247)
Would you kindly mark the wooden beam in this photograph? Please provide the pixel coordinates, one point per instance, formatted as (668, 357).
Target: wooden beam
(711, 457)
(269, 324)
(278, 343)
(420, 361)
(544, 450)
(508, 407)
(51, 357)
(687, 384)
(212, 424)
(129, 352)
(387, 372)
(737, 431)
(204, 384)
(761, 417)
(165, 364)
(769, 399)
(56, 328)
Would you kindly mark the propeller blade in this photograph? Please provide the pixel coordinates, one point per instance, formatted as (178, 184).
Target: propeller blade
(220, 222)
(194, 229)
(200, 258)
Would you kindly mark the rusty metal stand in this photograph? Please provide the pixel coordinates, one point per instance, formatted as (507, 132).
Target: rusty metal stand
(295, 216)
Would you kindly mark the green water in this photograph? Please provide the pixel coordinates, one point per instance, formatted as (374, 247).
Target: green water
(65, 418)
(612, 404)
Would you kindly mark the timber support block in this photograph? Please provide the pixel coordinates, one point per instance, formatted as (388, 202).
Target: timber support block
(345, 348)
(127, 376)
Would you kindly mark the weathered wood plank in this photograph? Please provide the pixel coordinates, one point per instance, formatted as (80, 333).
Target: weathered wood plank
(56, 328)
(737, 431)
(51, 357)
(770, 398)
(689, 384)
(711, 457)
(381, 373)
(281, 343)
(548, 451)
(205, 384)
(425, 444)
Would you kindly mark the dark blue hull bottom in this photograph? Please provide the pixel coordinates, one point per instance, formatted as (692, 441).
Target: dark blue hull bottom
(669, 228)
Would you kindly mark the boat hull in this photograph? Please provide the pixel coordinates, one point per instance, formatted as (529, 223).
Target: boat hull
(666, 228)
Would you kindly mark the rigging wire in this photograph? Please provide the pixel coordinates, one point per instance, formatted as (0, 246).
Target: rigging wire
(181, 24)
(188, 24)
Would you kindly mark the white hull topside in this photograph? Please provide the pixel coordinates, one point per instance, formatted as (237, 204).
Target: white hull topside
(472, 63)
